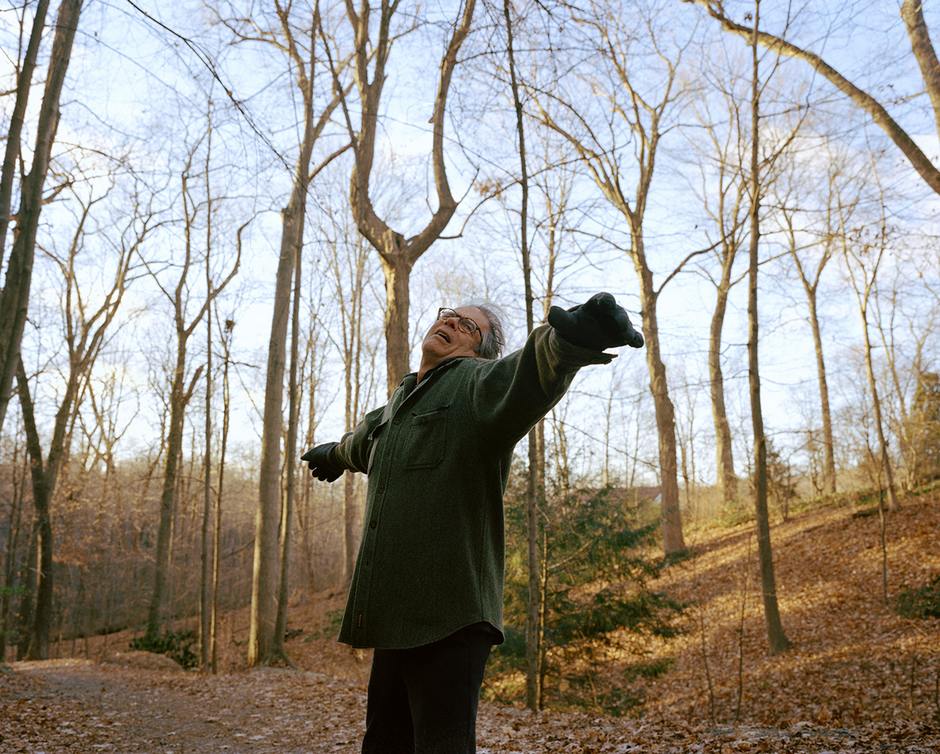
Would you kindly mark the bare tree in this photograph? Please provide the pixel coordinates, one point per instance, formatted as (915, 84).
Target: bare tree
(863, 252)
(644, 119)
(810, 277)
(228, 330)
(913, 17)
(86, 333)
(297, 40)
(723, 193)
(14, 300)
(397, 253)
(11, 151)
(347, 262)
(535, 473)
(182, 385)
(776, 637)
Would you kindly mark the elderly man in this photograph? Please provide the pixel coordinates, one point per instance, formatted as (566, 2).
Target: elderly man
(427, 592)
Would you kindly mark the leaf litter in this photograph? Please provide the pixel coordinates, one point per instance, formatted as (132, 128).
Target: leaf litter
(859, 678)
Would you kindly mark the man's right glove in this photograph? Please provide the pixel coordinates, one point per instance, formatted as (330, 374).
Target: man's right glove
(321, 466)
(598, 323)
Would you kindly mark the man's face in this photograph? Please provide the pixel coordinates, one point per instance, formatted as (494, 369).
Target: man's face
(447, 337)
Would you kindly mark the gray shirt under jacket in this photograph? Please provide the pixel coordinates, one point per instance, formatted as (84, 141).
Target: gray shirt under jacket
(437, 456)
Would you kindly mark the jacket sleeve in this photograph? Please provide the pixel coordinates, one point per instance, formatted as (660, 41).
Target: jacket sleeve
(352, 451)
(510, 395)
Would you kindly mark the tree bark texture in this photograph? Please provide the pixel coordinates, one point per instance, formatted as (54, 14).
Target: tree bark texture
(12, 546)
(14, 300)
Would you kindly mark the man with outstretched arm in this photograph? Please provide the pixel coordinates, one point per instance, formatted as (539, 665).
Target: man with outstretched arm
(427, 591)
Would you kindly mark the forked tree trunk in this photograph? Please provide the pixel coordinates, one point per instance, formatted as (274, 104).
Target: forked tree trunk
(263, 647)
(14, 300)
(11, 151)
(398, 254)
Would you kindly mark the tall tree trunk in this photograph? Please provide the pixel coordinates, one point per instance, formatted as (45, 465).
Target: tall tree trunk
(293, 401)
(14, 300)
(724, 456)
(397, 271)
(535, 491)
(673, 541)
(229, 327)
(204, 554)
(168, 496)
(264, 587)
(776, 637)
(829, 457)
(38, 646)
(262, 645)
(12, 545)
(27, 606)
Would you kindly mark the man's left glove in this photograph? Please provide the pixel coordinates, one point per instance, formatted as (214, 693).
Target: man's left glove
(598, 323)
(320, 463)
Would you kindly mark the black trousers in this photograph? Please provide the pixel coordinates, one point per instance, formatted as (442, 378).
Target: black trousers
(424, 700)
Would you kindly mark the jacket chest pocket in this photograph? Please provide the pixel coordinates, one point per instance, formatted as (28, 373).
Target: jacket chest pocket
(426, 441)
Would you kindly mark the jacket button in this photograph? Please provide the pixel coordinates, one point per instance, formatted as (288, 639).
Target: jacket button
(373, 523)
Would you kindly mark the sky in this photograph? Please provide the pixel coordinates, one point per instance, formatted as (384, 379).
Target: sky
(136, 88)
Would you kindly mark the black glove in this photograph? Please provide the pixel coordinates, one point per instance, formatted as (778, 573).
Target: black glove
(321, 466)
(597, 324)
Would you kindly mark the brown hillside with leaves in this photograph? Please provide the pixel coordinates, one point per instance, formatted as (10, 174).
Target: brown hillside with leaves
(859, 678)
(854, 660)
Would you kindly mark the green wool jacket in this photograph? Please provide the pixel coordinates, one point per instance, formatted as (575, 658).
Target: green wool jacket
(437, 456)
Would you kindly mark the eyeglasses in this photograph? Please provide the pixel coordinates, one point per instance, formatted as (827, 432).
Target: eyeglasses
(464, 324)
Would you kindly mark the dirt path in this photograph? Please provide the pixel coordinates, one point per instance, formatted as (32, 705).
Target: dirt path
(82, 706)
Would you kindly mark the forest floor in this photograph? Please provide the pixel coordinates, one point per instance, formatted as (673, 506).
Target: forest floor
(859, 678)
